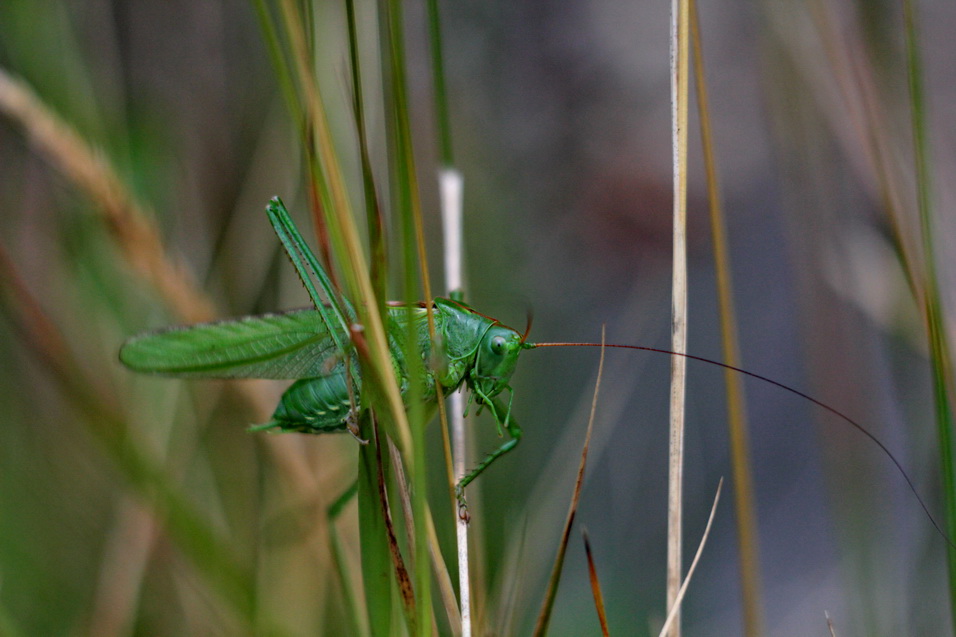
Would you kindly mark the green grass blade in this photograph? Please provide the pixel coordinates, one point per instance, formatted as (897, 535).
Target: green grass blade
(938, 346)
(450, 188)
(338, 559)
(408, 208)
(376, 560)
(379, 374)
(373, 212)
(442, 122)
(279, 61)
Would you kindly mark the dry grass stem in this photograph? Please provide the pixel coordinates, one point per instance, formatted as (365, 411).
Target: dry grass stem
(680, 33)
(675, 609)
(744, 498)
(595, 585)
(544, 617)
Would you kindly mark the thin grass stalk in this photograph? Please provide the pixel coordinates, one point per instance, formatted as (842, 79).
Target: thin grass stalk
(378, 274)
(369, 337)
(830, 626)
(375, 554)
(673, 615)
(439, 569)
(595, 585)
(938, 345)
(373, 212)
(338, 561)
(405, 588)
(347, 245)
(679, 38)
(442, 121)
(317, 188)
(416, 266)
(279, 61)
(744, 501)
(445, 588)
(551, 593)
(450, 183)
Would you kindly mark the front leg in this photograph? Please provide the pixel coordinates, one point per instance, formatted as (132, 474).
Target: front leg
(514, 431)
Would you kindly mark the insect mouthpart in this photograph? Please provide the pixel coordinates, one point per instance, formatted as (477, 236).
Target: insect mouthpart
(487, 387)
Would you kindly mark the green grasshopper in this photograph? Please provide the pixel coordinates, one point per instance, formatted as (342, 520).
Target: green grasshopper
(313, 347)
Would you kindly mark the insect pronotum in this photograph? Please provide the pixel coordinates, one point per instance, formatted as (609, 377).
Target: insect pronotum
(313, 347)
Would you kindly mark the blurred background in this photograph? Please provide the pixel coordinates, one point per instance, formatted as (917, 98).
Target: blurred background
(561, 127)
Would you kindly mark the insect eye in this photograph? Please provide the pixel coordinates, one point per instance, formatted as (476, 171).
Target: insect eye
(498, 344)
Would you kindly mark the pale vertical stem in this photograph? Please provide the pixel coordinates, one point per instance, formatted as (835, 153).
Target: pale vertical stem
(450, 185)
(679, 72)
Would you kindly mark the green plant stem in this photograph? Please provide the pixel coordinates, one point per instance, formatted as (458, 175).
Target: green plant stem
(438, 83)
(414, 265)
(376, 561)
(938, 346)
(279, 61)
(373, 212)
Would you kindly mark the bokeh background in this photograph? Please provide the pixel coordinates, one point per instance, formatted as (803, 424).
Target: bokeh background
(560, 118)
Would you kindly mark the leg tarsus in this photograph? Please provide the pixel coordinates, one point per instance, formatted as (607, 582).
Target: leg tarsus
(351, 423)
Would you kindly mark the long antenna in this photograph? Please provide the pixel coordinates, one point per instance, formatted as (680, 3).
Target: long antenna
(797, 392)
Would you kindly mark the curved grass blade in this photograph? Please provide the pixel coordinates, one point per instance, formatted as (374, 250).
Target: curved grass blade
(674, 614)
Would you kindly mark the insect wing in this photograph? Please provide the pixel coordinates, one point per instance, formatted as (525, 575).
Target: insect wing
(282, 346)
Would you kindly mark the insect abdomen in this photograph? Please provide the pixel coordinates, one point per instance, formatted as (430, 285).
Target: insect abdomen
(314, 405)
